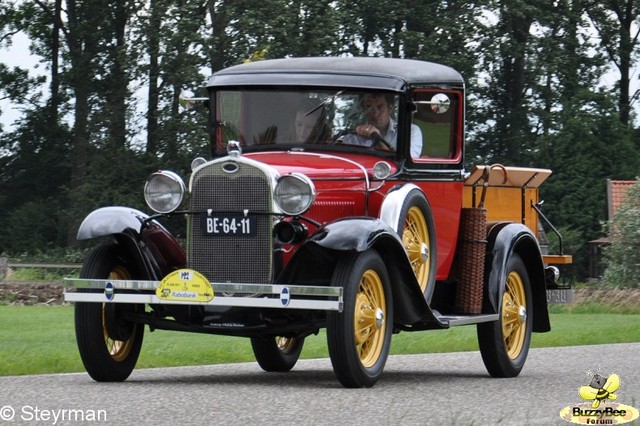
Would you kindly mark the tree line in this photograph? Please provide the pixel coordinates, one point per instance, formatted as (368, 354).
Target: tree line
(106, 114)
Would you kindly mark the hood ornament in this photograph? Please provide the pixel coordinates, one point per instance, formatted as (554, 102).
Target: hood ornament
(233, 149)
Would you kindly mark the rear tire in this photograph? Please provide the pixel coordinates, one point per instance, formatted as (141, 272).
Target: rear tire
(504, 344)
(277, 354)
(109, 346)
(359, 337)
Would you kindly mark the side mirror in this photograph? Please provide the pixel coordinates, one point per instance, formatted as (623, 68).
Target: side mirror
(440, 103)
(187, 100)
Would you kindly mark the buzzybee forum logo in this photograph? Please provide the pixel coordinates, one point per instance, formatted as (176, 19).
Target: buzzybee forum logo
(599, 407)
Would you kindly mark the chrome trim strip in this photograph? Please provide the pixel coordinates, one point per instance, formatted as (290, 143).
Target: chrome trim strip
(337, 158)
(268, 170)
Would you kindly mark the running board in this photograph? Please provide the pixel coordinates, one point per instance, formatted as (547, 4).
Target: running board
(456, 320)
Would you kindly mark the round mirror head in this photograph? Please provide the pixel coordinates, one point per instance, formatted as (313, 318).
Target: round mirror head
(440, 103)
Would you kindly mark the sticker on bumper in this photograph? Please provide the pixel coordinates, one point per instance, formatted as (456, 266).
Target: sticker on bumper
(185, 285)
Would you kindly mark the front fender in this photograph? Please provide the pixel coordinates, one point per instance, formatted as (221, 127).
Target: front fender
(110, 220)
(149, 245)
(393, 202)
(503, 239)
(315, 261)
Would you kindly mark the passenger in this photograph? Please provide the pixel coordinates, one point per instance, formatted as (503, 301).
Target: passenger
(311, 124)
(378, 108)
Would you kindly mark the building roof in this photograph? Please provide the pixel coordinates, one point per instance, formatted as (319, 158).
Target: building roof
(617, 194)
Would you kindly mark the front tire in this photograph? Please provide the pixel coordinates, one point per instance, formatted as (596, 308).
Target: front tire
(109, 347)
(277, 354)
(504, 344)
(359, 337)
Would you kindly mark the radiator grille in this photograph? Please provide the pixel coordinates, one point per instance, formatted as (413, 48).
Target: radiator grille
(236, 259)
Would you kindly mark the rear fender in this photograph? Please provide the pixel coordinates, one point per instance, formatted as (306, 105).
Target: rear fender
(315, 261)
(503, 239)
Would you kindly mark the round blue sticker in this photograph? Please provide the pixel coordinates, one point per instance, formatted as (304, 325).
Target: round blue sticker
(285, 297)
(109, 291)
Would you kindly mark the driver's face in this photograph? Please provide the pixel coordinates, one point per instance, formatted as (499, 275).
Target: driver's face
(377, 111)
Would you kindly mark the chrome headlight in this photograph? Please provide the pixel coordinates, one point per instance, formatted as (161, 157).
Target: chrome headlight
(381, 170)
(164, 191)
(294, 194)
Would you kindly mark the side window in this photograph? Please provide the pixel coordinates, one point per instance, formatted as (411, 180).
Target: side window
(435, 115)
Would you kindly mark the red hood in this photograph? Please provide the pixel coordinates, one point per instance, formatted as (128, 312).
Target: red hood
(319, 165)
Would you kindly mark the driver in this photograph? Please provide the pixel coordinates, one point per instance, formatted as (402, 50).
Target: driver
(377, 109)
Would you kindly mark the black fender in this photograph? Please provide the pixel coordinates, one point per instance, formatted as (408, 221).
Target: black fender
(315, 260)
(503, 239)
(154, 256)
(110, 220)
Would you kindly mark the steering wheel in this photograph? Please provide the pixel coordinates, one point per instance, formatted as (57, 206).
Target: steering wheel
(375, 137)
(378, 139)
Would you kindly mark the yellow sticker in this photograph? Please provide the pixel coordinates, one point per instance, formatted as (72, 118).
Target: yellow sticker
(185, 285)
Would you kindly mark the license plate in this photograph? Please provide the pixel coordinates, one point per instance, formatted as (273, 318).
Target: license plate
(240, 226)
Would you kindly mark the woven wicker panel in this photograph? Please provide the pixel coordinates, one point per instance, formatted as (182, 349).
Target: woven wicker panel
(473, 223)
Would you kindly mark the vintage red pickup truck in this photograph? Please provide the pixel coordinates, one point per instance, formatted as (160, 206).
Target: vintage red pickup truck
(334, 197)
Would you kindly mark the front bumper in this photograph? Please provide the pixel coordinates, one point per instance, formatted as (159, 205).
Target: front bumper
(282, 296)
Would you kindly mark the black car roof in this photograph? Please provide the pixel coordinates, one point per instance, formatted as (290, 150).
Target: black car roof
(366, 72)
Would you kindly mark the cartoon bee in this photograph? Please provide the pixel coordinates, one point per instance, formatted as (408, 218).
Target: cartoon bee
(600, 389)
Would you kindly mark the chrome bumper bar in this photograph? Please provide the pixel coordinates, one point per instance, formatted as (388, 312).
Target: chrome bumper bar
(282, 296)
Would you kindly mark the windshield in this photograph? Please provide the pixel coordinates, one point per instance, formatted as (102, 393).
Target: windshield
(264, 119)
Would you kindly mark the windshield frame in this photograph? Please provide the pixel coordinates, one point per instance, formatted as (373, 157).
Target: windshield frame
(262, 105)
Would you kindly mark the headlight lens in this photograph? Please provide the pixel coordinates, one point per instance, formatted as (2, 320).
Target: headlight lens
(164, 191)
(294, 194)
(381, 170)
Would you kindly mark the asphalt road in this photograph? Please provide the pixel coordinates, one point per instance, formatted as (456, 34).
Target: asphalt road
(429, 389)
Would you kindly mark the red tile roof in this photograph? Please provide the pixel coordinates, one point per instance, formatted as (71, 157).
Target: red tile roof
(617, 194)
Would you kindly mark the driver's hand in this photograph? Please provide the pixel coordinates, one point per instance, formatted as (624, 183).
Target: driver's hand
(366, 130)
(369, 131)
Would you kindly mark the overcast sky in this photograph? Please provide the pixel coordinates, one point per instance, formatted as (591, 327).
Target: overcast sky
(17, 55)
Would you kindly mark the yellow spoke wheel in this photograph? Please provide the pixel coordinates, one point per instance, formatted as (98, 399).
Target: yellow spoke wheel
(109, 346)
(415, 237)
(285, 344)
(359, 337)
(514, 315)
(277, 354)
(504, 344)
(416, 229)
(369, 318)
(118, 349)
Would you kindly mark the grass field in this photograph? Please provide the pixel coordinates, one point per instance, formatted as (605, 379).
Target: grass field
(41, 339)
